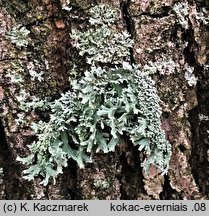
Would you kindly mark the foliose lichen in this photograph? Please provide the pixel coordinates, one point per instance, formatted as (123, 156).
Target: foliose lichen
(19, 36)
(100, 108)
(166, 66)
(182, 11)
(102, 42)
(101, 183)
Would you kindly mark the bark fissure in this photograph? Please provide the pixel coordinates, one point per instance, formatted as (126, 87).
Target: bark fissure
(125, 8)
(131, 178)
(168, 192)
(11, 171)
(164, 13)
(200, 145)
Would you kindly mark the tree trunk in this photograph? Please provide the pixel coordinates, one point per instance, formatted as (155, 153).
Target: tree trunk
(166, 34)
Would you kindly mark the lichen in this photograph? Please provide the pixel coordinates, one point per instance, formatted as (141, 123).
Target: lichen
(101, 107)
(121, 101)
(102, 42)
(1, 175)
(101, 183)
(167, 66)
(190, 77)
(19, 36)
(182, 11)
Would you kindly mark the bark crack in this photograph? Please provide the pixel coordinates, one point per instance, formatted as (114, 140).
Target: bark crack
(165, 12)
(125, 8)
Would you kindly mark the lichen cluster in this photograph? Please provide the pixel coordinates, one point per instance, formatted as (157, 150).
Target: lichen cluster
(19, 36)
(102, 42)
(100, 108)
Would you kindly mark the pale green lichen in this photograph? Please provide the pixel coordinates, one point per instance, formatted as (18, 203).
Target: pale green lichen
(101, 107)
(182, 11)
(29, 103)
(19, 36)
(102, 15)
(166, 66)
(190, 77)
(20, 120)
(101, 183)
(15, 73)
(102, 42)
(18, 76)
(110, 49)
(203, 117)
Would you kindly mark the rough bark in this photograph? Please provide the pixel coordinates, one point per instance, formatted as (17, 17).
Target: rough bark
(157, 34)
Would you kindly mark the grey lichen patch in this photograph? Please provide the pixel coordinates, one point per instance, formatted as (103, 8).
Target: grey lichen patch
(102, 184)
(19, 36)
(186, 13)
(100, 101)
(45, 40)
(190, 77)
(165, 66)
(165, 58)
(1, 175)
(102, 42)
(182, 11)
(100, 108)
(161, 54)
(203, 117)
(26, 79)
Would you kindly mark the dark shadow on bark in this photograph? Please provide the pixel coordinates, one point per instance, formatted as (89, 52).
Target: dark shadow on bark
(130, 26)
(131, 177)
(69, 181)
(200, 143)
(14, 188)
(168, 193)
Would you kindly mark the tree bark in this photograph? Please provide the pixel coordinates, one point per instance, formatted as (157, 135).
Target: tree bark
(159, 36)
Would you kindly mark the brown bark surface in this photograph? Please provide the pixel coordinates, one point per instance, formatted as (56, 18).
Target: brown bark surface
(157, 35)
